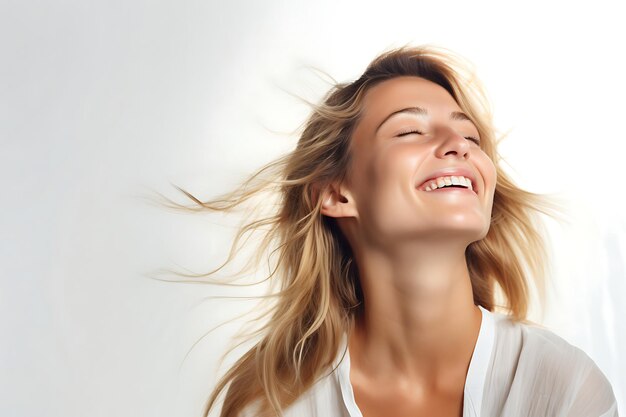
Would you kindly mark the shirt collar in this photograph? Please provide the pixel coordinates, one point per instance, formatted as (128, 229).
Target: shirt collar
(474, 381)
(477, 372)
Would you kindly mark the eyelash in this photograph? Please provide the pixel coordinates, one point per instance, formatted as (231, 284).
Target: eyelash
(472, 138)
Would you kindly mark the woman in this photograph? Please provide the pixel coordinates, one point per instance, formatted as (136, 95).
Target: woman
(398, 233)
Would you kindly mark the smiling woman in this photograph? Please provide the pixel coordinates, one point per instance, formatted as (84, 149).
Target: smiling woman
(406, 262)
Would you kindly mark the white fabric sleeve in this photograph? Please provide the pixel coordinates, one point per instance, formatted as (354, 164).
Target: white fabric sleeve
(595, 395)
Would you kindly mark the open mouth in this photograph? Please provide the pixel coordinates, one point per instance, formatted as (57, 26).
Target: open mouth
(449, 183)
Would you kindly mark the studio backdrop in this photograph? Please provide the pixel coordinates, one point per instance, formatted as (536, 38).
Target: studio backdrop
(105, 103)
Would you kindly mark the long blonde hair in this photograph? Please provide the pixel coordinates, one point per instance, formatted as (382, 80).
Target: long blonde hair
(319, 294)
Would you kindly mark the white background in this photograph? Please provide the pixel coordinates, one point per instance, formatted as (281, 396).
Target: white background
(103, 101)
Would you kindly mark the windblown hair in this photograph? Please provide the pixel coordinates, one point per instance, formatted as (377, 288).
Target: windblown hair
(319, 294)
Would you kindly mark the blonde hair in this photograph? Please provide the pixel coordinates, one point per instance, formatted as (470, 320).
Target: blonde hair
(319, 293)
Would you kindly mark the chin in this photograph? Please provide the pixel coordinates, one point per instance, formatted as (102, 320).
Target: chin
(468, 231)
(471, 224)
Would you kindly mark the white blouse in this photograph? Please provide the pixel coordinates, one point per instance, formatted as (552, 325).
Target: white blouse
(516, 370)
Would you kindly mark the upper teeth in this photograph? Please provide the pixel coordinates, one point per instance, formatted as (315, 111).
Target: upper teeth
(452, 180)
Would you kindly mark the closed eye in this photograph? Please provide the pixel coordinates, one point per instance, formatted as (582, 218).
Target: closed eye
(409, 132)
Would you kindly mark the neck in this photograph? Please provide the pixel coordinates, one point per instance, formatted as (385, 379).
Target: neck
(419, 321)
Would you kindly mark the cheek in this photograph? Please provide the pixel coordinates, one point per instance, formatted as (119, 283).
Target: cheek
(394, 164)
(490, 177)
(387, 181)
(491, 173)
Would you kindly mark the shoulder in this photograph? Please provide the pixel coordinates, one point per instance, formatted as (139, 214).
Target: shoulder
(323, 398)
(540, 347)
(540, 364)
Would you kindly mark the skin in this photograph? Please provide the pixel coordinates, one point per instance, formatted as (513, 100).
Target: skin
(410, 352)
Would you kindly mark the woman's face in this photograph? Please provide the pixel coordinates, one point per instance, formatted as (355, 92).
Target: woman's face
(411, 131)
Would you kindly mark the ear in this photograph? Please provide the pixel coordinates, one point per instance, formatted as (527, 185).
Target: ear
(337, 201)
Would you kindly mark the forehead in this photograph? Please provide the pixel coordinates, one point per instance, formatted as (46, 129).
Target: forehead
(401, 92)
(397, 92)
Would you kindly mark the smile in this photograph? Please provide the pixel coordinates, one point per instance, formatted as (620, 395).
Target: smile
(449, 183)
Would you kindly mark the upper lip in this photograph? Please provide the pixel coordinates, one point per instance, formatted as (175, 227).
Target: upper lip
(447, 172)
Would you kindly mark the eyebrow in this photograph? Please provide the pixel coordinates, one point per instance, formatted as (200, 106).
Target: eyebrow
(419, 111)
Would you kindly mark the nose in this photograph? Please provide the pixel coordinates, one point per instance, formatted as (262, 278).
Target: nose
(452, 143)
